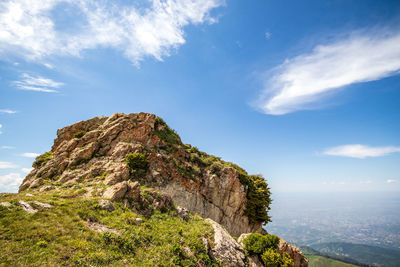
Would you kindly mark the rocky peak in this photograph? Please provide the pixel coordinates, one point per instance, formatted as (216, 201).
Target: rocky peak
(104, 152)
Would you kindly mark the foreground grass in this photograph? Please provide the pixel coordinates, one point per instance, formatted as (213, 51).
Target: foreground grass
(59, 236)
(320, 261)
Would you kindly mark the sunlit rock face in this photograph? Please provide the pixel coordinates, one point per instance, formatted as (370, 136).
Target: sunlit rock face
(92, 154)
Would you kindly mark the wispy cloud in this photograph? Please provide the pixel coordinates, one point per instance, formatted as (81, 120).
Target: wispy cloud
(7, 165)
(30, 155)
(7, 147)
(390, 181)
(9, 183)
(8, 111)
(301, 82)
(1, 126)
(361, 151)
(37, 83)
(28, 28)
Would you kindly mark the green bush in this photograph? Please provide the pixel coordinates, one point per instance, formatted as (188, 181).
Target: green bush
(258, 198)
(79, 134)
(42, 159)
(165, 133)
(257, 243)
(137, 161)
(272, 258)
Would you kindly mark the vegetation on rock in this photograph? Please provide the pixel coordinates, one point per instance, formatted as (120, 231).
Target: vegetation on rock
(137, 161)
(265, 247)
(79, 134)
(42, 159)
(165, 133)
(272, 258)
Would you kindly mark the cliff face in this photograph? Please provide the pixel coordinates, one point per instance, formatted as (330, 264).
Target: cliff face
(92, 154)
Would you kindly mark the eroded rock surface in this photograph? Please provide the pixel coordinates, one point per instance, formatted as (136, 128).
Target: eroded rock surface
(295, 254)
(92, 153)
(226, 249)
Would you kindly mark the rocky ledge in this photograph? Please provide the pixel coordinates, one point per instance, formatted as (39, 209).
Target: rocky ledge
(109, 157)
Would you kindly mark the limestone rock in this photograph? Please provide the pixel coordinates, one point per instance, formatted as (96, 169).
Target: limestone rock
(42, 205)
(106, 205)
(98, 156)
(116, 192)
(182, 212)
(226, 249)
(26, 207)
(295, 254)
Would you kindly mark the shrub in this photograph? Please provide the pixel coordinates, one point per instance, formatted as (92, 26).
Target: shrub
(273, 258)
(258, 198)
(136, 161)
(79, 134)
(42, 159)
(165, 133)
(257, 243)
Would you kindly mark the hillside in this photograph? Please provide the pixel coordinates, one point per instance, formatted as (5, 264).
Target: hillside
(124, 190)
(365, 254)
(321, 261)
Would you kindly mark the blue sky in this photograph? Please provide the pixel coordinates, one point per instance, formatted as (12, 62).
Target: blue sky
(306, 93)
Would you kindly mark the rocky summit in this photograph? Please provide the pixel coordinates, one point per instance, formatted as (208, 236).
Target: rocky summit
(137, 163)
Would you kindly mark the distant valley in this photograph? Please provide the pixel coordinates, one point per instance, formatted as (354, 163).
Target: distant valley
(364, 227)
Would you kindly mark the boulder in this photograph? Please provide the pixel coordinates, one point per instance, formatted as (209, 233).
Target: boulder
(116, 192)
(26, 207)
(226, 249)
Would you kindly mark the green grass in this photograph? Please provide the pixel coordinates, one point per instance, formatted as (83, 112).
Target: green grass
(60, 235)
(320, 261)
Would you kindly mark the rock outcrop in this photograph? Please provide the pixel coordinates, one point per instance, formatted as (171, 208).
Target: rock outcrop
(111, 157)
(295, 254)
(93, 153)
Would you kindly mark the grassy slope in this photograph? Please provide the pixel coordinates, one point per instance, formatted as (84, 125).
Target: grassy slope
(60, 236)
(320, 261)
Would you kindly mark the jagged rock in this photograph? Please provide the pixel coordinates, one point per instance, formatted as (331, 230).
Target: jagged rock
(106, 205)
(103, 147)
(101, 228)
(126, 189)
(295, 254)
(26, 207)
(46, 188)
(5, 204)
(42, 205)
(117, 191)
(226, 249)
(184, 213)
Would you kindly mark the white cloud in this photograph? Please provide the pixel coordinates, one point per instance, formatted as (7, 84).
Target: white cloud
(28, 29)
(389, 181)
(37, 83)
(30, 155)
(7, 147)
(7, 165)
(26, 170)
(361, 151)
(8, 111)
(267, 35)
(9, 183)
(1, 126)
(299, 83)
